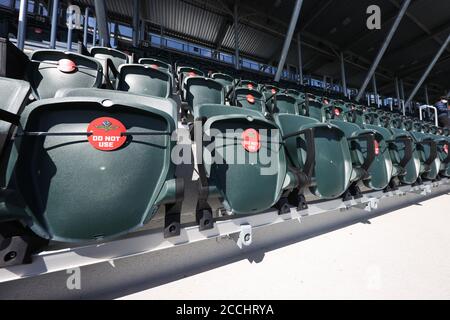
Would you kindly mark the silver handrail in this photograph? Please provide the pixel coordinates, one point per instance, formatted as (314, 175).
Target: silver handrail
(429, 107)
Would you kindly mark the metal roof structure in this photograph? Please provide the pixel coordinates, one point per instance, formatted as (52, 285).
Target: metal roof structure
(326, 27)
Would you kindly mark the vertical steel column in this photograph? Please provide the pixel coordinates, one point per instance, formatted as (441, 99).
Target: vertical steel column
(430, 67)
(85, 29)
(236, 36)
(142, 32)
(300, 60)
(94, 34)
(287, 41)
(427, 100)
(397, 91)
(22, 28)
(69, 37)
(375, 91)
(383, 48)
(102, 22)
(54, 26)
(135, 23)
(343, 79)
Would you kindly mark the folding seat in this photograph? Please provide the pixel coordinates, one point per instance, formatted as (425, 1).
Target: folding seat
(110, 59)
(284, 103)
(269, 91)
(156, 63)
(143, 79)
(247, 83)
(51, 70)
(249, 99)
(443, 143)
(14, 95)
(427, 147)
(334, 170)
(399, 146)
(226, 80)
(91, 164)
(367, 143)
(202, 90)
(252, 185)
(184, 73)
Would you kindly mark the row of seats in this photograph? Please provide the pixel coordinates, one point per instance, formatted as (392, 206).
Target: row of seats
(65, 190)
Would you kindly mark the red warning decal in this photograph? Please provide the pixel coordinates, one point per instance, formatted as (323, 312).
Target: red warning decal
(250, 98)
(337, 112)
(106, 134)
(274, 91)
(377, 147)
(154, 66)
(250, 86)
(192, 74)
(251, 140)
(66, 65)
(446, 148)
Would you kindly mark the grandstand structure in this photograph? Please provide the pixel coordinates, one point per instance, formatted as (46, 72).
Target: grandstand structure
(98, 97)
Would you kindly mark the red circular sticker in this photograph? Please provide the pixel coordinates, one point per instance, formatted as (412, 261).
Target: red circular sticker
(446, 148)
(250, 86)
(337, 112)
(377, 147)
(66, 65)
(250, 98)
(106, 134)
(250, 140)
(274, 91)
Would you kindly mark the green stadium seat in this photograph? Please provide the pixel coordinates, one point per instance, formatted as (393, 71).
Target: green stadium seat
(68, 184)
(143, 79)
(156, 63)
(51, 70)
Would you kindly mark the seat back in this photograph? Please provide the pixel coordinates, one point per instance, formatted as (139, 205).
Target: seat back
(51, 70)
(283, 103)
(117, 57)
(252, 185)
(249, 99)
(248, 84)
(184, 73)
(201, 90)
(269, 91)
(153, 62)
(71, 189)
(143, 79)
(332, 156)
(14, 95)
(225, 79)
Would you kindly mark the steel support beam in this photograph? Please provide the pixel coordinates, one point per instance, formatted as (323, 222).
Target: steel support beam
(428, 70)
(343, 78)
(402, 90)
(287, 41)
(94, 33)
(236, 36)
(427, 100)
(102, 22)
(375, 91)
(22, 28)
(397, 91)
(54, 25)
(300, 60)
(69, 36)
(85, 27)
(383, 49)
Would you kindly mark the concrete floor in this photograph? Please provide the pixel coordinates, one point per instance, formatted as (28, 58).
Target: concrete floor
(401, 255)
